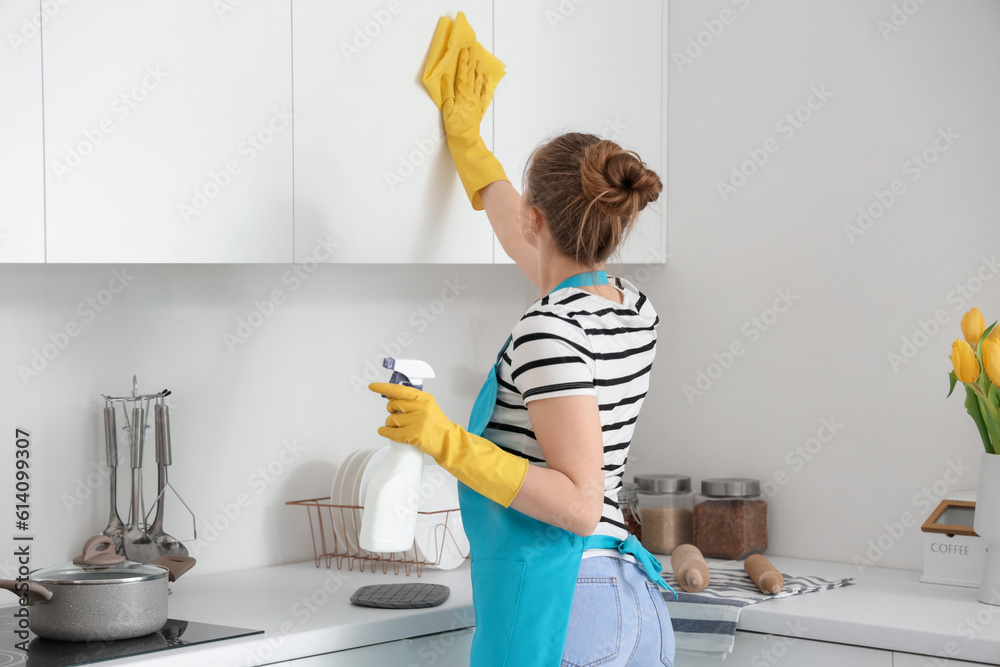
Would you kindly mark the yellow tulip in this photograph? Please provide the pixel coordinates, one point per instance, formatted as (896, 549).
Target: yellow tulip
(991, 359)
(973, 326)
(995, 334)
(965, 362)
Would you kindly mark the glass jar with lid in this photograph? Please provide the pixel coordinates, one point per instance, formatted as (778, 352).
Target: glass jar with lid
(665, 506)
(628, 502)
(730, 518)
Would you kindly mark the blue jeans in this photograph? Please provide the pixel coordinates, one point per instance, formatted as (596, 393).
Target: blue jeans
(618, 618)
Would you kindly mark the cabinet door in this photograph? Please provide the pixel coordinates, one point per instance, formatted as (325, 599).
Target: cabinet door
(446, 649)
(169, 131)
(753, 650)
(589, 67)
(22, 218)
(373, 175)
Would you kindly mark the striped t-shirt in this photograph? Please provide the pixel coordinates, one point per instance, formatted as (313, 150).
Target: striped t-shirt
(573, 343)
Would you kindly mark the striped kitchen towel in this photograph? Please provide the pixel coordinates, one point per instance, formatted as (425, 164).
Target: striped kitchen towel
(705, 622)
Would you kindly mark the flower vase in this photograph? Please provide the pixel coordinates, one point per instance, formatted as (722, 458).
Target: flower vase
(987, 526)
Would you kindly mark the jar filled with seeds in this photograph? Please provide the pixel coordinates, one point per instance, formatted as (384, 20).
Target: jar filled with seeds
(730, 518)
(665, 504)
(628, 502)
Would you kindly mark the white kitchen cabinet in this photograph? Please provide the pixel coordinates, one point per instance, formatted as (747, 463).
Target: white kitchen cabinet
(446, 649)
(22, 213)
(373, 175)
(756, 650)
(168, 131)
(591, 67)
(912, 660)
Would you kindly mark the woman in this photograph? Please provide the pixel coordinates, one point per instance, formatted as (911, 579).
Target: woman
(556, 577)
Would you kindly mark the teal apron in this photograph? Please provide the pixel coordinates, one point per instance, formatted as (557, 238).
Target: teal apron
(523, 570)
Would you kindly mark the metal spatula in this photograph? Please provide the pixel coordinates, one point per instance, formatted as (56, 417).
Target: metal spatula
(138, 546)
(116, 528)
(166, 545)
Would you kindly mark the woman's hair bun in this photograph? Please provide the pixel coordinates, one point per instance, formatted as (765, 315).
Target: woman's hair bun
(616, 181)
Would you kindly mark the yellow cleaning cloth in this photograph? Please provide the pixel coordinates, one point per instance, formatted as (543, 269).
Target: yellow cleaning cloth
(461, 76)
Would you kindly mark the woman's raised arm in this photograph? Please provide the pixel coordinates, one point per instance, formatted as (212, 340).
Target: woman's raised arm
(503, 207)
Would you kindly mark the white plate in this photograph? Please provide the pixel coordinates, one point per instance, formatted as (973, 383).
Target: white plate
(350, 495)
(336, 514)
(351, 526)
(439, 491)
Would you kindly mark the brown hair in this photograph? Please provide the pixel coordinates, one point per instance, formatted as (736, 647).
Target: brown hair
(590, 191)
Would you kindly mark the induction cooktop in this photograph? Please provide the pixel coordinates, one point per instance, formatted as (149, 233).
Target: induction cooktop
(50, 653)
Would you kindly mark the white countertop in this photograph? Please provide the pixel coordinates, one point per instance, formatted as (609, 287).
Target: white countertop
(306, 611)
(887, 609)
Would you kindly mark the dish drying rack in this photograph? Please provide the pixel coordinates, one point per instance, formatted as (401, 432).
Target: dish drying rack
(327, 546)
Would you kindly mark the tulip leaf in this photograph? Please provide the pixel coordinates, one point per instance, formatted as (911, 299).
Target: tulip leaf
(984, 378)
(991, 417)
(979, 344)
(954, 381)
(994, 395)
(973, 408)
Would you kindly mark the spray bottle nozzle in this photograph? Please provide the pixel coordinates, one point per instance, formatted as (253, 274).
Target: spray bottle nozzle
(408, 372)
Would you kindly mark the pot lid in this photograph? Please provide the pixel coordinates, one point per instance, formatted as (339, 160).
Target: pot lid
(99, 564)
(122, 573)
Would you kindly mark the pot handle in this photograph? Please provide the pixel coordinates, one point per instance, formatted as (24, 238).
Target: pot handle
(177, 565)
(34, 592)
(99, 550)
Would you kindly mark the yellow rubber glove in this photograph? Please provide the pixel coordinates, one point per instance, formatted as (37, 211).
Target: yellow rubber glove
(417, 420)
(461, 77)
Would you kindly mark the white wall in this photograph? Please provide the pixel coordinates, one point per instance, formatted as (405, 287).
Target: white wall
(825, 358)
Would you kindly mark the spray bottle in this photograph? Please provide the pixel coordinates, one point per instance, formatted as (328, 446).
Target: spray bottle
(389, 519)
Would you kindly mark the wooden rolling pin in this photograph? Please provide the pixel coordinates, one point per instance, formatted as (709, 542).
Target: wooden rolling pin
(690, 568)
(765, 575)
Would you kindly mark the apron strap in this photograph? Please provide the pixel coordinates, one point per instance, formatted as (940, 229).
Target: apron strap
(632, 547)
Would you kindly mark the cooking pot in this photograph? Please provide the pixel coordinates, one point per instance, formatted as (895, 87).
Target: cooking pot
(100, 596)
